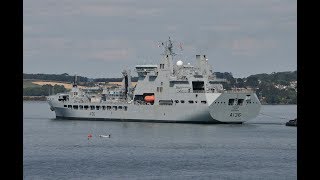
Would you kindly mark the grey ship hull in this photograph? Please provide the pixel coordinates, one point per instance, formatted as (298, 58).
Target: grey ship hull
(216, 110)
(166, 92)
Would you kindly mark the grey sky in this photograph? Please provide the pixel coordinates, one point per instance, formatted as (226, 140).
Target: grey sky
(99, 38)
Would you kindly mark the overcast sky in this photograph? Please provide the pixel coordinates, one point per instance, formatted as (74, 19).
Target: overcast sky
(99, 38)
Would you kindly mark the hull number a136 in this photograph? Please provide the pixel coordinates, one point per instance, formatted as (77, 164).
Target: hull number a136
(235, 114)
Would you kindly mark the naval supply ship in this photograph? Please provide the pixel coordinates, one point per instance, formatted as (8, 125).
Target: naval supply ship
(170, 91)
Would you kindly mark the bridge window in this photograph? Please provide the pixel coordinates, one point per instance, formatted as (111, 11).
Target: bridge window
(177, 101)
(120, 107)
(190, 101)
(92, 107)
(80, 107)
(114, 108)
(64, 105)
(231, 102)
(69, 106)
(103, 107)
(182, 101)
(198, 86)
(240, 102)
(97, 107)
(86, 107)
(204, 102)
(125, 108)
(75, 106)
(108, 107)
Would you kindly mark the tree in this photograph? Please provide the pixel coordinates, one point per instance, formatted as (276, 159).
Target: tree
(252, 81)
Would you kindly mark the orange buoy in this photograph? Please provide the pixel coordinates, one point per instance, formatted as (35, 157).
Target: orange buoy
(149, 99)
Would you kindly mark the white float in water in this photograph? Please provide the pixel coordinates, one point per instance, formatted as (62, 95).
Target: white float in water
(105, 136)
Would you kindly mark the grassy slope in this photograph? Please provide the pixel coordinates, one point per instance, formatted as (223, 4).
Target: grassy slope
(28, 83)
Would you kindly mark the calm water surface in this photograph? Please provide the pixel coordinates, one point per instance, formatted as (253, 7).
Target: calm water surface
(262, 148)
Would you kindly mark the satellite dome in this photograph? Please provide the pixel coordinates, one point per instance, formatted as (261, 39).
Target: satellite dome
(179, 63)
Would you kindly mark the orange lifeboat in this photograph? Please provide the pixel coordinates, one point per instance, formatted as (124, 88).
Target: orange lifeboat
(149, 99)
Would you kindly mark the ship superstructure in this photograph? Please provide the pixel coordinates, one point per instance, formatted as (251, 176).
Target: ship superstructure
(170, 91)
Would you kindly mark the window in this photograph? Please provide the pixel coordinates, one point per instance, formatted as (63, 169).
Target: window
(69, 106)
(198, 86)
(75, 106)
(114, 108)
(165, 102)
(190, 101)
(92, 107)
(177, 101)
(161, 66)
(86, 107)
(125, 108)
(104, 107)
(240, 102)
(108, 107)
(182, 101)
(64, 105)
(231, 102)
(159, 89)
(80, 107)
(161, 83)
(204, 102)
(97, 107)
(120, 107)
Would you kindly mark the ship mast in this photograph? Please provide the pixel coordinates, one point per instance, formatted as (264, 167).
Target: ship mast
(75, 81)
(168, 54)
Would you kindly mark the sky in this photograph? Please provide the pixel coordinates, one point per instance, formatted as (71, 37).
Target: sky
(100, 38)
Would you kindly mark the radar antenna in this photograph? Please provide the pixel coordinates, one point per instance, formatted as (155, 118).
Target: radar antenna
(168, 47)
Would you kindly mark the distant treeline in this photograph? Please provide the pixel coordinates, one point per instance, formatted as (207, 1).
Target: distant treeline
(133, 79)
(55, 77)
(68, 78)
(274, 88)
(267, 86)
(44, 90)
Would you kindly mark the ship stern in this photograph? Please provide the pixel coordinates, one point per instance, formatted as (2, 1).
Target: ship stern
(235, 107)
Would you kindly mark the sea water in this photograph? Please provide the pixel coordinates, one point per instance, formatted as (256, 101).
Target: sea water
(262, 148)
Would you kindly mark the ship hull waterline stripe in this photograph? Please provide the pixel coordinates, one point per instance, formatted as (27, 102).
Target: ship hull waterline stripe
(145, 120)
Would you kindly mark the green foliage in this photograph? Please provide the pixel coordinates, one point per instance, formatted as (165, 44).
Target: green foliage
(252, 82)
(67, 78)
(264, 83)
(44, 90)
(54, 77)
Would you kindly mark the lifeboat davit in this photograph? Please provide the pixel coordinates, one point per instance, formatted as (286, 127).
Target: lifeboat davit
(149, 99)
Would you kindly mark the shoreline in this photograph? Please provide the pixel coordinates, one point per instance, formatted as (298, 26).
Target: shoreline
(34, 98)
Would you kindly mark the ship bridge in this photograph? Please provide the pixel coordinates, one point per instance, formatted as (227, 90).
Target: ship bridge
(143, 70)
